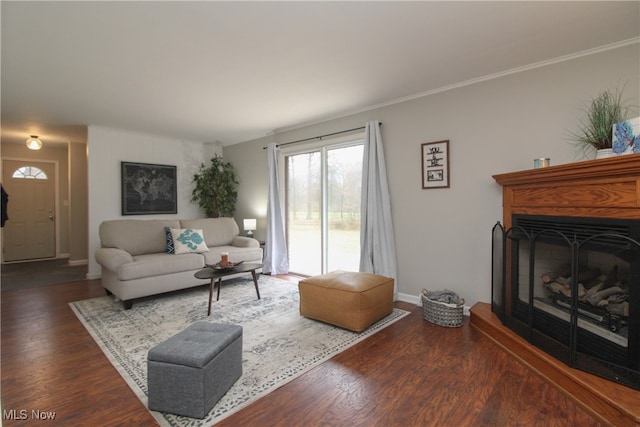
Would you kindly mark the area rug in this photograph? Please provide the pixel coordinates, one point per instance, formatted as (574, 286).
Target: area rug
(278, 344)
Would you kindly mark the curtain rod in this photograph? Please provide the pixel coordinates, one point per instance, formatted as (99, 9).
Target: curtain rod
(319, 137)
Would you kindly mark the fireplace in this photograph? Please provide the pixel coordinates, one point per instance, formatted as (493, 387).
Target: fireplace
(574, 290)
(550, 217)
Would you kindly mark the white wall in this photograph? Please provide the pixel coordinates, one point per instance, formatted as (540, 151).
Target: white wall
(443, 236)
(108, 147)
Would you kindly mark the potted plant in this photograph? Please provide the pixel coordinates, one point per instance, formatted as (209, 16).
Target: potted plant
(216, 188)
(596, 128)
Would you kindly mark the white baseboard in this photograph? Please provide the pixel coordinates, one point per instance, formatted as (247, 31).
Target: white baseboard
(93, 276)
(78, 262)
(409, 298)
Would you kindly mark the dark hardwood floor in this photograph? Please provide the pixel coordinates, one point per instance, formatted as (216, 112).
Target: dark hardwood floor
(412, 373)
(33, 274)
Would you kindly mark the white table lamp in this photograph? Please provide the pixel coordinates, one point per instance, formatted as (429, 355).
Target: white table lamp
(249, 226)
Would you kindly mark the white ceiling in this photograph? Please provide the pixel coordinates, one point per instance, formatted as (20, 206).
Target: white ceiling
(235, 71)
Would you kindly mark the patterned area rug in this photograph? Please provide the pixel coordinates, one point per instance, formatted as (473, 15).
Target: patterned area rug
(278, 344)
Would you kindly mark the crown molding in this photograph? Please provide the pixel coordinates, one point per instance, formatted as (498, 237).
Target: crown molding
(469, 82)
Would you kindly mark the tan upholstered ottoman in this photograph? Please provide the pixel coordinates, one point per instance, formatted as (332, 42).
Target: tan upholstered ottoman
(352, 301)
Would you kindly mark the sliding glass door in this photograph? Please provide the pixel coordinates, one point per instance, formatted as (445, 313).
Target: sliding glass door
(323, 209)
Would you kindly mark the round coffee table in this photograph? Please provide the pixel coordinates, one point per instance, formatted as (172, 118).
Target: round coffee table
(217, 275)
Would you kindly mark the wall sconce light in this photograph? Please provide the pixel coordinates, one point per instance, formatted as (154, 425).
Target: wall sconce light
(33, 143)
(249, 226)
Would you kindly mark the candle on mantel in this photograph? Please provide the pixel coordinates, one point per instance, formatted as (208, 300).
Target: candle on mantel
(542, 162)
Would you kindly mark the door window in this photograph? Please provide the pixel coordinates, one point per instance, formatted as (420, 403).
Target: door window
(29, 172)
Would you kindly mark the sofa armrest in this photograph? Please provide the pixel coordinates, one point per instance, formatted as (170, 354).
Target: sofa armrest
(245, 242)
(112, 258)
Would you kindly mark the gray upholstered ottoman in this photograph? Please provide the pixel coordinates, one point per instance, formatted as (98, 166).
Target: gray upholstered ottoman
(189, 372)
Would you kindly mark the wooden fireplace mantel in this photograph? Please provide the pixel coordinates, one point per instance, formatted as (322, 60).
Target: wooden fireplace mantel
(602, 188)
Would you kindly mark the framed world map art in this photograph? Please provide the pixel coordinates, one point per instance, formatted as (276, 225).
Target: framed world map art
(435, 164)
(148, 189)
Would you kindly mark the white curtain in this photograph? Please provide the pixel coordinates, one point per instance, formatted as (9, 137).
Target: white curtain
(377, 243)
(275, 249)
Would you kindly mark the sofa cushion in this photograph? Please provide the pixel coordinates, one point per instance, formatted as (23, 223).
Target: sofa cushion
(136, 236)
(159, 264)
(188, 240)
(217, 231)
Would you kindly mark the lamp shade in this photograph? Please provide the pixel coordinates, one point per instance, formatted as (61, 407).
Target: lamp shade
(249, 224)
(33, 143)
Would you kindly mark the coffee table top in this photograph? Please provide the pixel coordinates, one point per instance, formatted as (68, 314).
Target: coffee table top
(210, 273)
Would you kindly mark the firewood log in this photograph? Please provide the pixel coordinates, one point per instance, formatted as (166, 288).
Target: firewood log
(621, 309)
(560, 288)
(617, 298)
(550, 276)
(555, 287)
(603, 294)
(566, 291)
(588, 277)
(597, 287)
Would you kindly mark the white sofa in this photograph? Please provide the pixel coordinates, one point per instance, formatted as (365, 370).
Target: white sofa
(135, 262)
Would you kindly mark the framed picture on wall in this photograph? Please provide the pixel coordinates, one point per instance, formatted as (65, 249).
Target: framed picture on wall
(435, 164)
(148, 189)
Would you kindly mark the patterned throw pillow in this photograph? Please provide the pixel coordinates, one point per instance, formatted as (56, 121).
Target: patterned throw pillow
(188, 240)
(170, 247)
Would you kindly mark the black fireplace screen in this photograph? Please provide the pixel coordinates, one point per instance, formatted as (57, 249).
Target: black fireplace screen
(572, 288)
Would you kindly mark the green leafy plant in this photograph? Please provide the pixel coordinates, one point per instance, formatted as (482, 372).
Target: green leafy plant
(604, 111)
(216, 188)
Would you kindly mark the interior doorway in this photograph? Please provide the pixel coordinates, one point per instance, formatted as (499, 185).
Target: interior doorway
(30, 232)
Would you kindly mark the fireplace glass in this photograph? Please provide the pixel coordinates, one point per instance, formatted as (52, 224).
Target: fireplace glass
(571, 286)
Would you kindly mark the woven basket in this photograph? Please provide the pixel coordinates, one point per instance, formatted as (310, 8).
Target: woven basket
(442, 314)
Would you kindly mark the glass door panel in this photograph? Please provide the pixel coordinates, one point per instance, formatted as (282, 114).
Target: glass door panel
(344, 180)
(304, 201)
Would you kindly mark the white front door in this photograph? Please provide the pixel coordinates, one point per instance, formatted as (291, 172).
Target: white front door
(30, 231)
